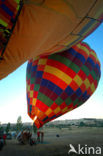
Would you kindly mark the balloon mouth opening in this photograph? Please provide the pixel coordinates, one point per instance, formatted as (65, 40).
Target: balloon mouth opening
(35, 118)
(37, 122)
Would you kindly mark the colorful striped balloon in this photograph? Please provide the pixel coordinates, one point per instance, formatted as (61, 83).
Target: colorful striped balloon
(61, 82)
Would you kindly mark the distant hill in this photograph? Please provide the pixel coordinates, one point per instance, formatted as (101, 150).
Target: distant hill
(77, 122)
(72, 122)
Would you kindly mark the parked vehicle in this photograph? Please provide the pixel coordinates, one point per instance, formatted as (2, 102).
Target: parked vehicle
(1, 144)
(1, 140)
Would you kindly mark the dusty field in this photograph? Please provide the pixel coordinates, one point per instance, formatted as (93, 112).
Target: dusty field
(57, 146)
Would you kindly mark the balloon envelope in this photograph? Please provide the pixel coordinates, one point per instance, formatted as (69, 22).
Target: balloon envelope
(61, 82)
(32, 27)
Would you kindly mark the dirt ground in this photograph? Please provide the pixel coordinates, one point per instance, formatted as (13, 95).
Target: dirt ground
(57, 146)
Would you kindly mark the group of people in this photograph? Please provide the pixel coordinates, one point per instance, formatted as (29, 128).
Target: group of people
(25, 137)
(40, 136)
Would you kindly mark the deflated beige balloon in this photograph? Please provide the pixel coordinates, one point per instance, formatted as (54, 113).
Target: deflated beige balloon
(33, 27)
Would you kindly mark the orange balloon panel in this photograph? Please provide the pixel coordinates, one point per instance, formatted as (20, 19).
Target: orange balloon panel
(61, 82)
(32, 27)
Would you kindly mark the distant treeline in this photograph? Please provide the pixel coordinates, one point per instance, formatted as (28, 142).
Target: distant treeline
(14, 127)
(58, 124)
(91, 123)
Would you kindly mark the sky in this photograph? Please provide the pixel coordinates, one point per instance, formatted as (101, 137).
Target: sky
(13, 91)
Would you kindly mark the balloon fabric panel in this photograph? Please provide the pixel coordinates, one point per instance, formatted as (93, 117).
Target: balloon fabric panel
(43, 27)
(9, 12)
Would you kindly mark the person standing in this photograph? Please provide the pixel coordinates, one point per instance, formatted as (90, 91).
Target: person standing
(4, 138)
(38, 136)
(42, 136)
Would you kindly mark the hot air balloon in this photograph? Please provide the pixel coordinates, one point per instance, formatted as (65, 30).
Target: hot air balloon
(29, 28)
(61, 82)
